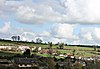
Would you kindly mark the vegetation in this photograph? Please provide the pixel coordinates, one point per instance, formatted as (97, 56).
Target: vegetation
(61, 48)
(15, 38)
(50, 45)
(38, 40)
(51, 63)
(27, 53)
(61, 45)
(77, 65)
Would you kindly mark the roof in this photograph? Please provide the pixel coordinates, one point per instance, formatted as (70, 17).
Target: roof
(24, 60)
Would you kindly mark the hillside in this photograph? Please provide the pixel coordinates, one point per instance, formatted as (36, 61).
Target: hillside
(84, 51)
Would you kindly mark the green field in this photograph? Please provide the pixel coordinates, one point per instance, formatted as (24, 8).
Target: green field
(79, 51)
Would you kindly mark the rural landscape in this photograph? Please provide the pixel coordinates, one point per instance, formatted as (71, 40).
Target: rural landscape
(18, 54)
(49, 34)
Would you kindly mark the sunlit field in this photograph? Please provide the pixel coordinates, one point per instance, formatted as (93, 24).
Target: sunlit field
(79, 51)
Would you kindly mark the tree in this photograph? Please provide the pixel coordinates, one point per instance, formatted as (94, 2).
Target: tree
(38, 40)
(77, 65)
(15, 38)
(94, 47)
(27, 53)
(32, 41)
(61, 45)
(50, 44)
(51, 63)
(12, 38)
(18, 37)
(74, 52)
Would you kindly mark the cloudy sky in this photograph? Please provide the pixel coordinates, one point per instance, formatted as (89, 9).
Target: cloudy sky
(68, 21)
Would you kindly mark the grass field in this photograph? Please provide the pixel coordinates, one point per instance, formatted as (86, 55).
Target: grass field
(79, 51)
(8, 53)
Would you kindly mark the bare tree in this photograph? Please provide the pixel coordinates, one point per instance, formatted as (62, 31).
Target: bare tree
(38, 40)
(12, 38)
(15, 38)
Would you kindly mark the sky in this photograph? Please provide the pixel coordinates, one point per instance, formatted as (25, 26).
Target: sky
(68, 21)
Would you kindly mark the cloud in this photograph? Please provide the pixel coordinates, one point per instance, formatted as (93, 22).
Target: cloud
(7, 31)
(37, 15)
(82, 11)
(5, 28)
(44, 34)
(59, 33)
(71, 11)
(86, 33)
(27, 36)
(63, 31)
(54, 40)
(75, 11)
(64, 13)
(89, 35)
(51, 11)
(96, 35)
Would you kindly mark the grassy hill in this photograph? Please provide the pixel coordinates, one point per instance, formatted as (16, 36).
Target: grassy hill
(79, 51)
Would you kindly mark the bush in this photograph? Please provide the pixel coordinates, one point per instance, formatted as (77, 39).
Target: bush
(77, 65)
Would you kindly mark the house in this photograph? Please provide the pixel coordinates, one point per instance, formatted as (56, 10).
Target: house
(6, 63)
(28, 63)
(25, 62)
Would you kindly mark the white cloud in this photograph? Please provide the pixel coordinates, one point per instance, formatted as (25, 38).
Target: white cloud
(54, 40)
(86, 33)
(82, 11)
(96, 35)
(63, 31)
(54, 11)
(34, 15)
(5, 28)
(76, 11)
(44, 34)
(25, 14)
(27, 36)
(90, 35)
(86, 36)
